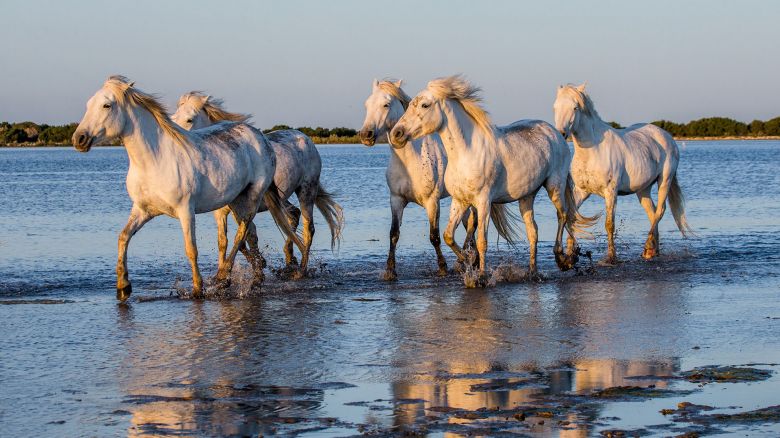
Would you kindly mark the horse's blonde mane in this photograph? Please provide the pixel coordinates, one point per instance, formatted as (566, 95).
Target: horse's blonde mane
(391, 87)
(126, 94)
(458, 88)
(582, 98)
(213, 107)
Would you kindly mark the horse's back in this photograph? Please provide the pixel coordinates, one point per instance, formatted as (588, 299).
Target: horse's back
(298, 160)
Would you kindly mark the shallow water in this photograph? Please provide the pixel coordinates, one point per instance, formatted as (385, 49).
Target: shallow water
(344, 353)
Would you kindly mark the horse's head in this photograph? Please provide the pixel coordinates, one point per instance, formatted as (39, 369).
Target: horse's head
(424, 116)
(105, 116)
(568, 108)
(384, 107)
(190, 113)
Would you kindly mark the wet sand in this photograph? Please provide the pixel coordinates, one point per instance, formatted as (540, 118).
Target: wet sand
(344, 353)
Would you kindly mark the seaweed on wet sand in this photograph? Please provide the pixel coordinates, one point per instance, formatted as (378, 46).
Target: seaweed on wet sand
(726, 374)
(634, 392)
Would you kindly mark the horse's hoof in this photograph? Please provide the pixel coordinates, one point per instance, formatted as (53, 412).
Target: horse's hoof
(123, 293)
(482, 281)
(257, 282)
(609, 261)
(649, 254)
(535, 276)
(298, 274)
(390, 275)
(442, 272)
(292, 261)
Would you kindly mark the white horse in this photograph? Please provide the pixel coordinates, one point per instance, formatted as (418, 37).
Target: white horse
(298, 167)
(415, 172)
(610, 162)
(177, 173)
(489, 164)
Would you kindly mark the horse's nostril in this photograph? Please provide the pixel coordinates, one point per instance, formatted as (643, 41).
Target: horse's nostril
(398, 133)
(82, 139)
(369, 134)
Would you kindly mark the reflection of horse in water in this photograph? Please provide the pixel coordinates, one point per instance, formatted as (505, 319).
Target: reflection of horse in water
(450, 345)
(222, 381)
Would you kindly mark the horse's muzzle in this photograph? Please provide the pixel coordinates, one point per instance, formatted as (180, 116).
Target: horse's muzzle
(82, 141)
(367, 137)
(398, 136)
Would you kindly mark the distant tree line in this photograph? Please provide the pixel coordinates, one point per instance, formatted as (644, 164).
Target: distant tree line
(30, 133)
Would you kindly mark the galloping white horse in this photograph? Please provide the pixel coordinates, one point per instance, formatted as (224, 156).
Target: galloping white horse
(610, 162)
(177, 173)
(298, 167)
(415, 172)
(489, 164)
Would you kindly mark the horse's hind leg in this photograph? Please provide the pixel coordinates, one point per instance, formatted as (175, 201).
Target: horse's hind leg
(571, 242)
(397, 206)
(137, 219)
(432, 208)
(554, 192)
(531, 231)
(294, 220)
(651, 246)
(647, 203)
(307, 214)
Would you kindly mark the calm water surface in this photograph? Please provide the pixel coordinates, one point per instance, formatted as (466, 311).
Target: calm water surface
(344, 353)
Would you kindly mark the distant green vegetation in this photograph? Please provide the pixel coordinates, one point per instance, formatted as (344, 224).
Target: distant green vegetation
(33, 134)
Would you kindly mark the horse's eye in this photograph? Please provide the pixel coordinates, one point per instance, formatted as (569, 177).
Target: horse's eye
(189, 120)
(106, 105)
(425, 105)
(387, 105)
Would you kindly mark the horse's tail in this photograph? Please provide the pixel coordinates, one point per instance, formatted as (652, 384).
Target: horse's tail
(333, 214)
(677, 205)
(282, 217)
(576, 221)
(505, 222)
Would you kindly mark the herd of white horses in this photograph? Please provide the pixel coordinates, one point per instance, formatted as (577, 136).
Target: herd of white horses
(206, 159)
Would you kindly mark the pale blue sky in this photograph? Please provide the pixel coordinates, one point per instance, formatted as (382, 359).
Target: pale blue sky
(312, 62)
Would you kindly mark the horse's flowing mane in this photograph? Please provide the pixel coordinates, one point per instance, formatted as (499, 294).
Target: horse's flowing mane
(391, 87)
(581, 98)
(126, 94)
(213, 107)
(458, 88)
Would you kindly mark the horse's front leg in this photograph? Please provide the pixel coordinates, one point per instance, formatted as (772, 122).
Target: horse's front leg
(457, 208)
(187, 220)
(531, 231)
(483, 220)
(610, 199)
(138, 217)
(397, 206)
(432, 208)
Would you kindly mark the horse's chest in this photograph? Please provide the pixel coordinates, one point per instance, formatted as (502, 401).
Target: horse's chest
(592, 176)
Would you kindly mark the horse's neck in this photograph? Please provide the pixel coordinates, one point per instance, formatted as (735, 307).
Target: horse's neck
(589, 133)
(144, 140)
(459, 134)
(408, 155)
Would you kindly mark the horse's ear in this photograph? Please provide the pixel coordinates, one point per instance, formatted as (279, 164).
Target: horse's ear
(206, 98)
(582, 86)
(398, 83)
(130, 85)
(375, 84)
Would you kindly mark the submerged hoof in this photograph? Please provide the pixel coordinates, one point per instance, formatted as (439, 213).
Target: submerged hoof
(298, 274)
(219, 283)
(442, 272)
(197, 294)
(390, 275)
(649, 253)
(535, 276)
(123, 293)
(567, 261)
